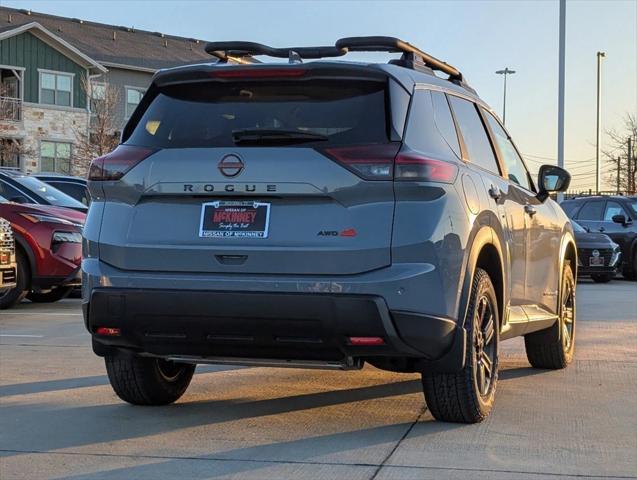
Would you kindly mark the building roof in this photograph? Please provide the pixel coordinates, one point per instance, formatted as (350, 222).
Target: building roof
(113, 45)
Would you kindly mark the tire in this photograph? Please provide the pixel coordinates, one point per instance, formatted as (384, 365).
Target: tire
(553, 347)
(602, 277)
(15, 295)
(55, 294)
(148, 381)
(468, 396)
(631, 273)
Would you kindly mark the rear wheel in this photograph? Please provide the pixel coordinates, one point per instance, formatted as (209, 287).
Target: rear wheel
(467, 396)
(553, 347)
(148, 381)
(631, 273)
(15, 295)
(602, 277)
(53, 295)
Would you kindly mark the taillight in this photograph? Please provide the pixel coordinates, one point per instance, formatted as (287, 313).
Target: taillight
(371, 162)
(114, 165)
(245, 72)
(414, 167)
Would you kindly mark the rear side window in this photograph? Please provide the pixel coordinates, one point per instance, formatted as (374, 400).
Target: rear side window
(422, 132)
(593, 210)
(444, 121)
(474, 134)
(210, 114)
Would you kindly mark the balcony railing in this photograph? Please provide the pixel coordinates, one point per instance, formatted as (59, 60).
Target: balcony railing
(10, 109)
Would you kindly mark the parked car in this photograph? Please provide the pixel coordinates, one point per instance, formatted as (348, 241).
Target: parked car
(615, 216)
(323, 215)
(7, 257)
(18, 187)
(73, 186)
(48, 251)
(598, 256)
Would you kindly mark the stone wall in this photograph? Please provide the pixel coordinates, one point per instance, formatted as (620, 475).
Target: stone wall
(47, 123)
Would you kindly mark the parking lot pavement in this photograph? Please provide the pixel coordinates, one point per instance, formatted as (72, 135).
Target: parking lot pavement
(60, 419)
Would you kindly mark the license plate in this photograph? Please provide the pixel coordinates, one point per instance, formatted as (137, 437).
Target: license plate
(234, 220)
(596, 261)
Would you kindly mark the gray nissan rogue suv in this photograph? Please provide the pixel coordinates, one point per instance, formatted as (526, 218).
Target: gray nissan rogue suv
(323, 215)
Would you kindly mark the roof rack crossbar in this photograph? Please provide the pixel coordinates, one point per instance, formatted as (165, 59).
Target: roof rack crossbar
(242, 52)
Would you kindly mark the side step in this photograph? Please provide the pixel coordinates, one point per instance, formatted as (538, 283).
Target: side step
(348, 363)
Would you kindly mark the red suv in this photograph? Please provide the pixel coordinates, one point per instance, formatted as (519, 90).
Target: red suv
(48, 251)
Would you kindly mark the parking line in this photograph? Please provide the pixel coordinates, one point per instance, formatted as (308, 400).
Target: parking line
(43, 313)
(16, 335)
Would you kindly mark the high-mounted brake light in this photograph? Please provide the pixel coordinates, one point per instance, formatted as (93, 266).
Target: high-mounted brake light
(245, 72)
(116, 164)
(371, 162)
(414, 167)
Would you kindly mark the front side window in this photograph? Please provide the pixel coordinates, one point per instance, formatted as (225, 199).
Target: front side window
(516, 170)
(592, 210)
(133, 97)
(55, 157)
(474, 134)
(612, 209)
(55, 88)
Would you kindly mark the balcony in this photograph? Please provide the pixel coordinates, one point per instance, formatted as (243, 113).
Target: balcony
(10, 109)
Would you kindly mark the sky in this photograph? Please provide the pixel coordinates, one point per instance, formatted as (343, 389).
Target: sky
(478, 37)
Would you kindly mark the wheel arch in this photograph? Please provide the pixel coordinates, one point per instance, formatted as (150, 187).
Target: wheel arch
(23, 246)
(486, 253)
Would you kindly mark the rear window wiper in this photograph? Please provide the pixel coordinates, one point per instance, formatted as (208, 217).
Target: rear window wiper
(277, 136)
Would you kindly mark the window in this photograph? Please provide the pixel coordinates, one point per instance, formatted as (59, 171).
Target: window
(133, 97)
(593, 210)
(474, 134)
(515, 167)
(346, 112)
(569, 208)
(55, 88)
(75, 190)
(98, 94)
(612, 209)
(444, 121)
(11, 193)
(55, 157)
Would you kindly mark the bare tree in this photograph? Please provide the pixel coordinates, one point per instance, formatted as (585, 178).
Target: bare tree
(101, 135)
(622, 174)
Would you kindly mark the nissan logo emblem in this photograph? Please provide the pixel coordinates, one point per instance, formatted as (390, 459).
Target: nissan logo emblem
(230, 165)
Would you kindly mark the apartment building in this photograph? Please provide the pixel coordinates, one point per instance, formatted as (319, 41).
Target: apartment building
(53, 73)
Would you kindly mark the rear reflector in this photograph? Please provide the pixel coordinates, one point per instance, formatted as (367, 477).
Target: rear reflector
(246, 72)
(114, 165)
(411, 166)
(108, 331)
(371, 162)
(366, 341)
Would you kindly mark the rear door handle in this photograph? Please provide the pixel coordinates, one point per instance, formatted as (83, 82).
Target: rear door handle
(530, 210)
(495, 193)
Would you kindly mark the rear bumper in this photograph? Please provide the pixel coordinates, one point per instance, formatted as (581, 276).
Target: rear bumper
(262, 325)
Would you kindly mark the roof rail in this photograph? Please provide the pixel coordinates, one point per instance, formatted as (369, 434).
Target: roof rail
(412, 57)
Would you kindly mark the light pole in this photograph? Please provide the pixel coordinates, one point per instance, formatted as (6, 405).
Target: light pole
(505, 72)
(600, 55)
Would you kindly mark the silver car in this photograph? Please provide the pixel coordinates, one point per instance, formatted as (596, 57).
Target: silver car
(323, 214)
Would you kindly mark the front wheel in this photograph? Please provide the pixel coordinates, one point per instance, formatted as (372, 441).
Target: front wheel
(15, 295)
(467, 396)
(148, 381)
(553, 347)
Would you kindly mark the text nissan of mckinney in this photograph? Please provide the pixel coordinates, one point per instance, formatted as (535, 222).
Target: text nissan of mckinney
(323, 215)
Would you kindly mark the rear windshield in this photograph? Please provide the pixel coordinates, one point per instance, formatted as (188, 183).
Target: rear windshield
(207, 114)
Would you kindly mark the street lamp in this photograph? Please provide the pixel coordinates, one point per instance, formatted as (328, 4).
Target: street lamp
(505, 72)
(600, 55)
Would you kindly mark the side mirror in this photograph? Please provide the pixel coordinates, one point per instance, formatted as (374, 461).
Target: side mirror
(621, 219)
(552, 179)
(19, 199)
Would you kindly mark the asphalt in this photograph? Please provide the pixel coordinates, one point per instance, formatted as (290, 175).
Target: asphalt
(60, 419)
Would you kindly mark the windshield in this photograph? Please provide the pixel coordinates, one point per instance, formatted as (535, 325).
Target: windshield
(51, 194)
(327, 112)
(578, 228)
(633, 206)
